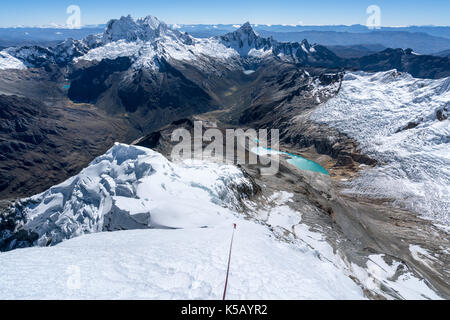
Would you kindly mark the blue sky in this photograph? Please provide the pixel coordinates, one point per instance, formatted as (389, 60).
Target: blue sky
(393, 12)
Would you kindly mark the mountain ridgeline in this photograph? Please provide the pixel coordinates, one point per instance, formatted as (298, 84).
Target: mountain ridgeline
(139, 75)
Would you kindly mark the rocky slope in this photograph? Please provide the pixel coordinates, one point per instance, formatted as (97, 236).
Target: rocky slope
(403, 123)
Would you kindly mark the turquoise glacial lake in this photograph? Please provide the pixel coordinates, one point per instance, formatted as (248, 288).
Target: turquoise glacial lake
(298, 161)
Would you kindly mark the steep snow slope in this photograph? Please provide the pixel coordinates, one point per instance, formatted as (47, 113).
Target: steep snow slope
(146, 54)
(402, 122)
(185, 263)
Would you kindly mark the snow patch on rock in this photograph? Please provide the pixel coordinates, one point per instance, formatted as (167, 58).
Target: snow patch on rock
(395, 276)
(7, 61)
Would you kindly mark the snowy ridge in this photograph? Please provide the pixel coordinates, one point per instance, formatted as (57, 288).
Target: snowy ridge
(31, 56)
(402, 122)
(129, 37)
(148, 40)
(131, 188)
(35, 56)
(247, 43)
(144, 40)
(203, 53)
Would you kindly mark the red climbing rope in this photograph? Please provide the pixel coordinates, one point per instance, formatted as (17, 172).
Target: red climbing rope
(229, 260)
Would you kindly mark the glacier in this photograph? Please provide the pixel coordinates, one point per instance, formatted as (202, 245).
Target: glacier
(402, 122)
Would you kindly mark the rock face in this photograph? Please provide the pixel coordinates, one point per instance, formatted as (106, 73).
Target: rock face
(41, 144)
(419, 66)
(245, 39)
(89, 83)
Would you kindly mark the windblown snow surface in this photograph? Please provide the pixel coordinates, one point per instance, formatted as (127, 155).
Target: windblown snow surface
(181, 215)
(403, 123)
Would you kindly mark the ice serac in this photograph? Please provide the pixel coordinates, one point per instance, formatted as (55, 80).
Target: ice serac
(129, 187)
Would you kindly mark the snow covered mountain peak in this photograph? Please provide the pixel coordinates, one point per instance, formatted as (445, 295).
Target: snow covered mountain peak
(244, 39)
(306, 46)
(151, 21)
(147, 40)
(248, 43)
(129, 29)
(246, 28)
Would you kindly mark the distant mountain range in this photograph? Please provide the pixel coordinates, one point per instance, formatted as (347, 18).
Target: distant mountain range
(239, 48)
(42, 36)
(422, 39)
(142, 74)
(437, 31)
(445, 53)
(357, 50)
(420, 42)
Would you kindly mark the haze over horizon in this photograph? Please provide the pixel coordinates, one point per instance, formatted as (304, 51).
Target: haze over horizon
(289, 12)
